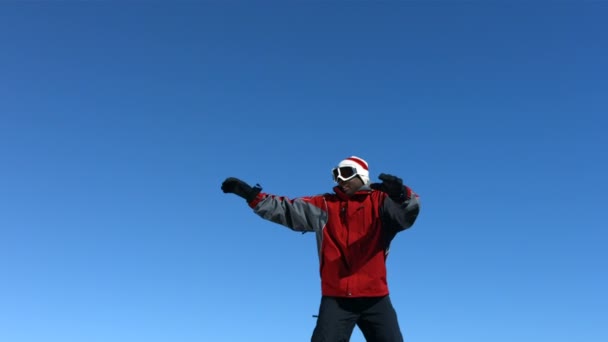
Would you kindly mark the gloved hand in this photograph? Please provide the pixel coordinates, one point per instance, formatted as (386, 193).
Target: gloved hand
(392, 185)
(238, 187)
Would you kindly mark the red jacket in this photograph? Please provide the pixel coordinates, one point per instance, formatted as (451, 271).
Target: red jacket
(353, 234)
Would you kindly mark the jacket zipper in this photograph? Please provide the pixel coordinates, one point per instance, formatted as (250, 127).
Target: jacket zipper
(344, 217)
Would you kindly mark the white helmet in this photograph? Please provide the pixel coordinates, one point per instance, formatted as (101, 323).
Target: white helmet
(358, 164)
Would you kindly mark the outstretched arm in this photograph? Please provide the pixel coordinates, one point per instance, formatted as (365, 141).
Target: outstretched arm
(299, 214)
(304, 214)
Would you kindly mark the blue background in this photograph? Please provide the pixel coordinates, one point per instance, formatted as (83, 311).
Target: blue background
(120, 120)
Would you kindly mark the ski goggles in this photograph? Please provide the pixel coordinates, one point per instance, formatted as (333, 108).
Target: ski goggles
(344, 173)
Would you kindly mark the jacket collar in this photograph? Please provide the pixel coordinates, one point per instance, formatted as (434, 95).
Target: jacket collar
(365, 189)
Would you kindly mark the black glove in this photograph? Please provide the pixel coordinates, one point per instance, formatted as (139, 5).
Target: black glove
(392, 185)
(238, 187)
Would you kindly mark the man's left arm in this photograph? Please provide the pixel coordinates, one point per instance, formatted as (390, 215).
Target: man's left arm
(400, 206)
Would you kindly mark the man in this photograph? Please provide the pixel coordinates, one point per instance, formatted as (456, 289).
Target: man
(354, 227)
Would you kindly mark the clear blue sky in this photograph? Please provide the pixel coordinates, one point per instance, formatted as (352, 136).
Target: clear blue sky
(120, 120)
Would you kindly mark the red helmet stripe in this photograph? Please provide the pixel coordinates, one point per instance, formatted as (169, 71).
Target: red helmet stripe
(359, 161)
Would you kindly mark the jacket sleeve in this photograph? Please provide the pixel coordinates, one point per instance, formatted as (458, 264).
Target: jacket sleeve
(304, 214)
(400, 216)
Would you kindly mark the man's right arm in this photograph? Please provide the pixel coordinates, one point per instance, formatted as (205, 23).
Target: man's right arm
(304, 214)
(299, 214)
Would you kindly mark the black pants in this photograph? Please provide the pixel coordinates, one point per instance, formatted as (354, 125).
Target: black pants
(375, 316)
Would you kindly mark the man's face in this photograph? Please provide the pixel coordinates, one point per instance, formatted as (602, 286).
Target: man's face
(350, 186)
